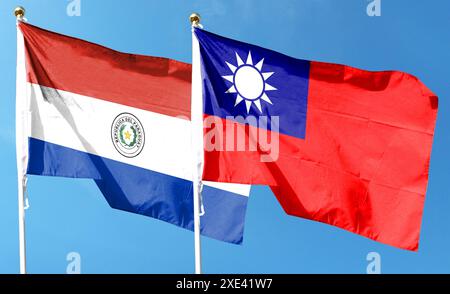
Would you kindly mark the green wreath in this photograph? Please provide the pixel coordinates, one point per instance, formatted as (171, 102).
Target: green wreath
(123, 140)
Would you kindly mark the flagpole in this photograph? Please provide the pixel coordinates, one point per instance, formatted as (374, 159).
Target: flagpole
(197, 139)
(21, 136)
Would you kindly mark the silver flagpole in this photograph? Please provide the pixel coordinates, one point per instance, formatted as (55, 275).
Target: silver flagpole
(21, 135)
(197, 139)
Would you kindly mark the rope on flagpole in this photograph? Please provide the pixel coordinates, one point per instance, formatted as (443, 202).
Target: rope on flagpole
(197, 139)
(21, 144)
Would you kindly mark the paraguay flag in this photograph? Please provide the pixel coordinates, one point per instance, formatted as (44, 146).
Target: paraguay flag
(86, 111)
(337, 144)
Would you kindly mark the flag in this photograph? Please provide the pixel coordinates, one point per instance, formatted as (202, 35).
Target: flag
(122, 120)
(338, 145)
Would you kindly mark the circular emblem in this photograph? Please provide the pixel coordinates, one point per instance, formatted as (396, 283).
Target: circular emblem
(127, 135)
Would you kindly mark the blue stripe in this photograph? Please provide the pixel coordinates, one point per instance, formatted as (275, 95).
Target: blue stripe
(143, 191)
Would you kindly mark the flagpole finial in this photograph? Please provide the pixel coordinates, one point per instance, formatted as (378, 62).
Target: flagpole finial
(194, 18)
(19, 12)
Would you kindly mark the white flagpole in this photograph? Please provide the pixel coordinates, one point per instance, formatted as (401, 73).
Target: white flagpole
(21, 135)
(197, 139)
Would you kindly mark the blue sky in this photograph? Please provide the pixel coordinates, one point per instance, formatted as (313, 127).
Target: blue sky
(72, 216)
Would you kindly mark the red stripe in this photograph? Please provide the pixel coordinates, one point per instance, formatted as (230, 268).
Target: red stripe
(363, 165)
(151, 83)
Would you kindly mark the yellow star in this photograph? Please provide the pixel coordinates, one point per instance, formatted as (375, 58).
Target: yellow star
(127, 135)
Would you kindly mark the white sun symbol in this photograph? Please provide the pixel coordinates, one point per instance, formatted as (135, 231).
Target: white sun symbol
(249, 82)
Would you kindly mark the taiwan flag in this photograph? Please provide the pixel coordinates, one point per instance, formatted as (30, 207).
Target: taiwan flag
(336, 144)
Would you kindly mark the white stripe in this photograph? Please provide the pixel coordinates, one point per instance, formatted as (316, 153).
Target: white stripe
(84, 123)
